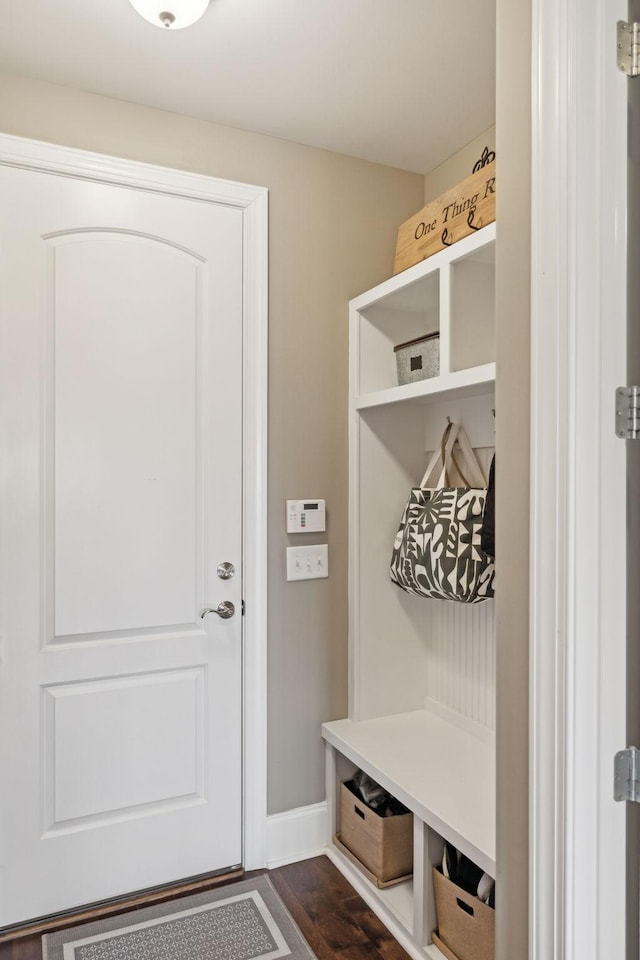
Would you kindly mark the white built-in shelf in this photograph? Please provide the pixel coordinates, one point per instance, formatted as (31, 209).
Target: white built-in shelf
(405, 287)
(451, 293)
(440, 770)
(404, 651)
(472, 382)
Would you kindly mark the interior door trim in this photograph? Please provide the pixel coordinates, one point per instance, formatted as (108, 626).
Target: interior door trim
(578, 567)
(253, 202)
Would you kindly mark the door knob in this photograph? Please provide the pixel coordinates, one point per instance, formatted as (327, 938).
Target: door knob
(225, 609)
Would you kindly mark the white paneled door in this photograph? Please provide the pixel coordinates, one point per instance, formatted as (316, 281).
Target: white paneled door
(121, 389)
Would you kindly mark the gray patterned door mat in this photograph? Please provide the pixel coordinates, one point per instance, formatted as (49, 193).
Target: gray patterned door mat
(242, 921)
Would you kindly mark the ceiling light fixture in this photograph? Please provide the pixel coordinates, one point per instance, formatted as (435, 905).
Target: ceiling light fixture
(170, 14)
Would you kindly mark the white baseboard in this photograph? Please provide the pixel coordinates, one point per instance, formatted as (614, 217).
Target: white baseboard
(296, 834)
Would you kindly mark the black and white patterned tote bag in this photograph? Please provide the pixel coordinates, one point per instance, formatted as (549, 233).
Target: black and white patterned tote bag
(437, 551)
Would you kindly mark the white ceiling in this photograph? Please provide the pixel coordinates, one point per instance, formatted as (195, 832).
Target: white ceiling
(401, 82)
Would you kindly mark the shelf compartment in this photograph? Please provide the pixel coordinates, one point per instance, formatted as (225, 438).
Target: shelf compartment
(442, 772)
(472, 309)
(401, 316)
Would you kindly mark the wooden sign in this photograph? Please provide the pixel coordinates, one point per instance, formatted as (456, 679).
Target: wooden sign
(468, 206)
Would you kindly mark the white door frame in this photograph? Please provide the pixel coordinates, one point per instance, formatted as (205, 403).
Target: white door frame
(578, 569)
(49, 158)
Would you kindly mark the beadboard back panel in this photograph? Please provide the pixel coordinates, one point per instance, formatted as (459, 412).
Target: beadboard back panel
(461, 659)
(461, 647)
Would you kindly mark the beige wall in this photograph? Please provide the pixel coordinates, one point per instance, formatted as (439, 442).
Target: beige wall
(332, 232)
(459, 166)
(513, 295)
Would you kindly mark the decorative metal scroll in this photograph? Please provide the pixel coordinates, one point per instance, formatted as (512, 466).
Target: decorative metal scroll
(488, 156)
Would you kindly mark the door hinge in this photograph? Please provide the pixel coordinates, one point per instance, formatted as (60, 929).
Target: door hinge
(629, 48)
(626, 771)
(628, 413)
(242, 613)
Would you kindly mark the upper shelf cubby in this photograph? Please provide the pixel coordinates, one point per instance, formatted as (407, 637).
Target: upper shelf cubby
(472, 309)
(452, 294)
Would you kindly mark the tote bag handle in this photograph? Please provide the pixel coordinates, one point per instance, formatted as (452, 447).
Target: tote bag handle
(453, 433)
(478, 478)
(441, 455)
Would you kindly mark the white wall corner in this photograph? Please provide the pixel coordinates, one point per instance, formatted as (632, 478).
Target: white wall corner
(296, 834)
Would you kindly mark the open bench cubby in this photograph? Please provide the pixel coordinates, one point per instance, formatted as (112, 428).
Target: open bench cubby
(421, 672)
(444, 774)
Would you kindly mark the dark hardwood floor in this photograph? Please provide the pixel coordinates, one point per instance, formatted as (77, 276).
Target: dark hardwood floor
(335, 921)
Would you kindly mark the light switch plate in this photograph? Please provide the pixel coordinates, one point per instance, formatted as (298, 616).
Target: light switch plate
(308, 563)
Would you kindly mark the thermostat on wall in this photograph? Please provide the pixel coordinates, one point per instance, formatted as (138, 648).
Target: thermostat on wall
(305, 516)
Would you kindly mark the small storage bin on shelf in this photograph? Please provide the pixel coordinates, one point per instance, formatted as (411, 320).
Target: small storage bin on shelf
(383, 846)
(466, 925)
(418, 359)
